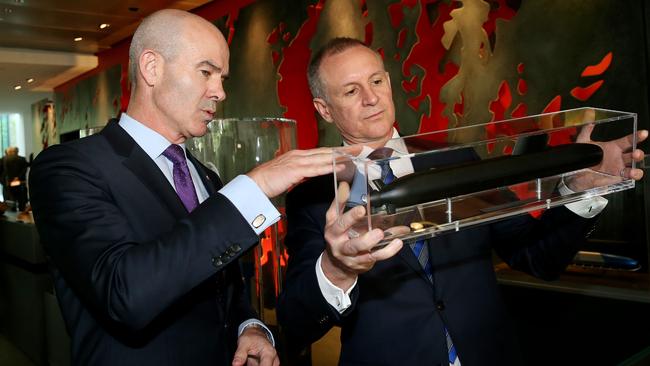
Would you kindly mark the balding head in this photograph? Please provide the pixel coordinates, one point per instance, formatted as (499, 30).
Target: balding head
(178, 64)
(162, 32)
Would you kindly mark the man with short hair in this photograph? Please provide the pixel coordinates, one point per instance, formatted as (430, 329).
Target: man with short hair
(393, 310)
(143, 238)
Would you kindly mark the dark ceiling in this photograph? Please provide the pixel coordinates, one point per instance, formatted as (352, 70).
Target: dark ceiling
(37, 36)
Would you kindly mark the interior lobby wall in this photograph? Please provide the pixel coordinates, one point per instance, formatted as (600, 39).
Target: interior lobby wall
(449, 65)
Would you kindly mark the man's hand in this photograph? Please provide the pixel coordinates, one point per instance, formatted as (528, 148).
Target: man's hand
(345, 258)
(617, 159)
(254, 349)
(276, 176)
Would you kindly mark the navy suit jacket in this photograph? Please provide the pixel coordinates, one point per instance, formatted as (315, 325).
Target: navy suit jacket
(139, 280)
(397, 315)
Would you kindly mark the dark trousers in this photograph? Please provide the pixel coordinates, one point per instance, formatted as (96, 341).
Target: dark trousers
(19, 195)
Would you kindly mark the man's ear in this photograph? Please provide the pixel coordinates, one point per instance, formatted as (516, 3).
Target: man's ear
(150, 66)
(323, 110)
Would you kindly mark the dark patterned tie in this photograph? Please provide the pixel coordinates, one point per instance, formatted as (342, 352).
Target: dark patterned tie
(379, 154)
(182, 178)
(421, 252)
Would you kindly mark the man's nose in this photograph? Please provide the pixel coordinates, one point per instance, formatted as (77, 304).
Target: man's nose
(369, 96)
(216, 91)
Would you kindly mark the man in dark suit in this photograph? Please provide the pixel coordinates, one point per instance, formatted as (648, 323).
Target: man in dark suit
(13, 172)
(393, 311)
(143, 238)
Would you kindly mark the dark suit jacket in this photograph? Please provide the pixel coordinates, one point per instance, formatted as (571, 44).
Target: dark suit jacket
(139, 280)
(13, 166)
(397, 316)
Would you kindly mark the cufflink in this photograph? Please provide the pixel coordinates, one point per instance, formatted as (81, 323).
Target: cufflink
(258, 221)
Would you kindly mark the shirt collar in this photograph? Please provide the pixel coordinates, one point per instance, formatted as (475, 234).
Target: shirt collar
(395, 143)
(149, 140)
(395, 135)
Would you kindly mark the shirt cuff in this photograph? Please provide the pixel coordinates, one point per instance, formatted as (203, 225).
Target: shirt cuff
(256, 323)
(334, 296)
(251, 202)
(588, 207)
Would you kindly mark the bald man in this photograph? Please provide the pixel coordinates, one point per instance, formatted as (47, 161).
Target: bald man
(144, 239)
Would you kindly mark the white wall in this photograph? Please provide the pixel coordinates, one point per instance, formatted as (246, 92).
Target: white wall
(21, 102)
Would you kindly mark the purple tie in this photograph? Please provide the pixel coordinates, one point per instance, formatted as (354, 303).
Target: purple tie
(182, 177)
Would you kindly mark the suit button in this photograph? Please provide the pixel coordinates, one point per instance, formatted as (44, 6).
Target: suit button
(236, 248)
(323, 320)
(217, 262)
(440, 305)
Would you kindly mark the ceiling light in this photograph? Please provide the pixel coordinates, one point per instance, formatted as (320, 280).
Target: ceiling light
(78, 39)
(18, 87)
(30, 80)
(104, 25)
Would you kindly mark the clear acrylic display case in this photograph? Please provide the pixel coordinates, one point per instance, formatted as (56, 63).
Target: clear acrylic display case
(448, 180)
(234, 146)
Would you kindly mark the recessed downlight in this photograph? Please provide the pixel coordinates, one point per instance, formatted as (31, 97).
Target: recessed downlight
(18, 87)
(77, 39)
(104, 26)
(30, 80)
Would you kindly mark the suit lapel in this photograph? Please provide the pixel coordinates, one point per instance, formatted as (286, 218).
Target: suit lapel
(141, 165)
(210, 180)
(407, 255)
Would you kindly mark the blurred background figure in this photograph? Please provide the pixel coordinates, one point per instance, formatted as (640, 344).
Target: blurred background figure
(13, 171)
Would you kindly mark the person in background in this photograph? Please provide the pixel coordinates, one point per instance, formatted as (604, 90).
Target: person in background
(143, 238)
(14, 173)
(5, 194)
(433, 302)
